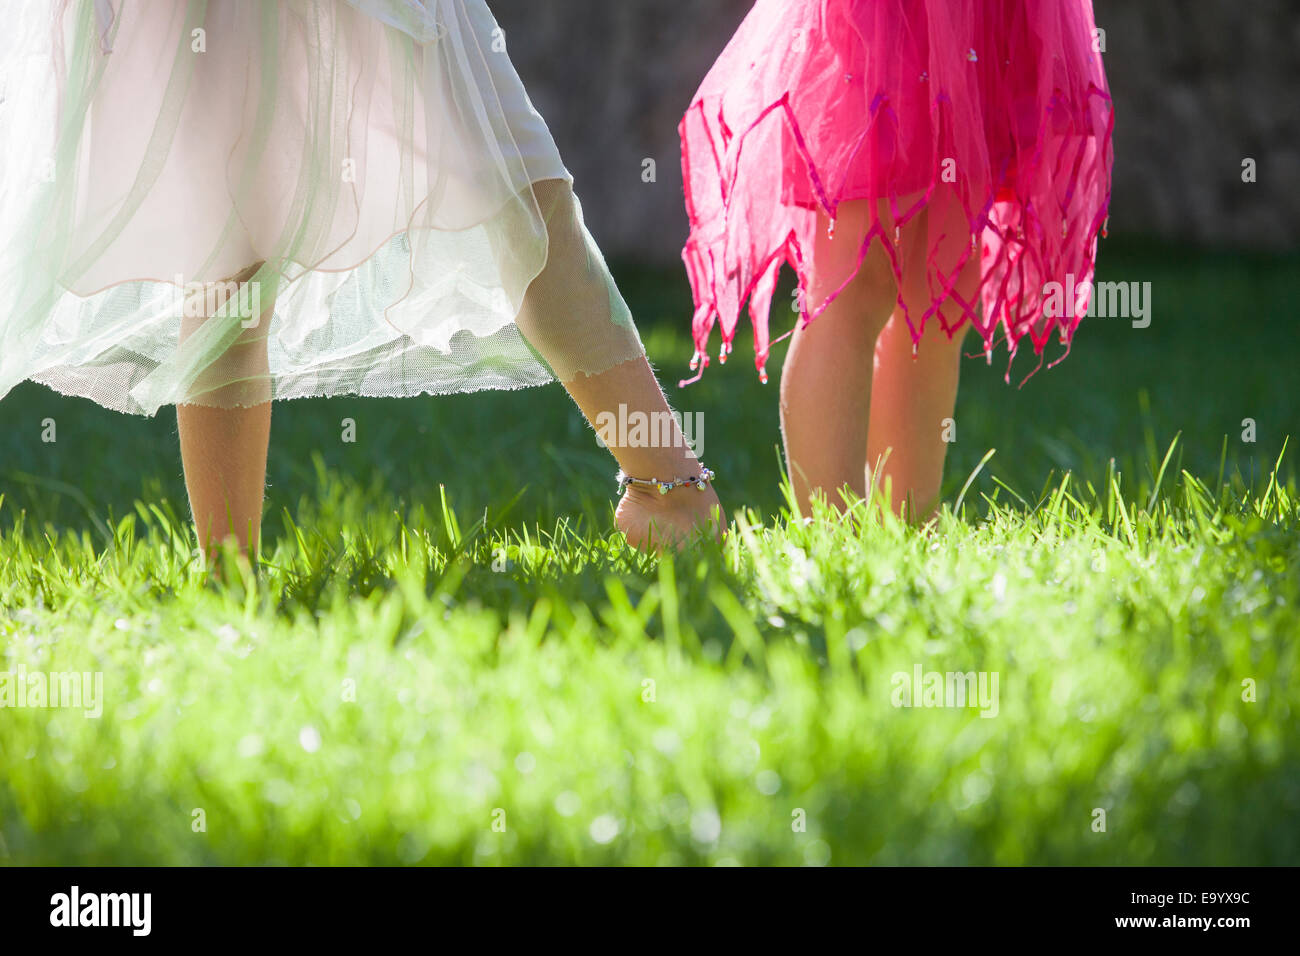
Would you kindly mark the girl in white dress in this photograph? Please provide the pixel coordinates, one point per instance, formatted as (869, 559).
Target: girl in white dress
(217, 204)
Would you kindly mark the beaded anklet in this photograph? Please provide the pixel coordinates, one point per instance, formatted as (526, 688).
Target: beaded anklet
(705, 476)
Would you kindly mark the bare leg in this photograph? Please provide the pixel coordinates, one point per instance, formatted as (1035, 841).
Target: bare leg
(913, 398)
(649, 519)
(826, 384)
(568, 317)
(224, 454)
(223, 449)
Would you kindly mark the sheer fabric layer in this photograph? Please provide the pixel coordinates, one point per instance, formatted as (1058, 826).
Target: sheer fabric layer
(991, 114)
(229, 202)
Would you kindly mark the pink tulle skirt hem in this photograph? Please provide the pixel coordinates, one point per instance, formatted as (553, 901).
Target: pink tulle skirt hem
(984, 124)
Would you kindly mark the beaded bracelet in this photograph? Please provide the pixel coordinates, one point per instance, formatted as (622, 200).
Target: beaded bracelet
(705, 476)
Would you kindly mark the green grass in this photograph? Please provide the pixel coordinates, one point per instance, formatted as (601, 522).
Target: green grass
(451, 658)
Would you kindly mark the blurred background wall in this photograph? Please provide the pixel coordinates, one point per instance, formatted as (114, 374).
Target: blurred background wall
(1199, 85)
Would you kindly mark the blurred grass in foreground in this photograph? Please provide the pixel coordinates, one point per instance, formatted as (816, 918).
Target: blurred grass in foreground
(419, 663)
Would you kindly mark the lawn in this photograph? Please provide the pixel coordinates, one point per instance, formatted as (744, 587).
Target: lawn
(450, 657)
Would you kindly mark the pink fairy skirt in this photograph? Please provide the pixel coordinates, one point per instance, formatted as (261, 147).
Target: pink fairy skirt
(993, 115)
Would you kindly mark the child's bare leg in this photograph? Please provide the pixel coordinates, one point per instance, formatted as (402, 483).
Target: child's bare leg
(568, 316)
(223, 449)
(826, 384)
(224, 454)
(673, 515)
(912, 399)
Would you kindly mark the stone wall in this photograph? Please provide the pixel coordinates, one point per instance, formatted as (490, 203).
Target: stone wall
(1199, 86)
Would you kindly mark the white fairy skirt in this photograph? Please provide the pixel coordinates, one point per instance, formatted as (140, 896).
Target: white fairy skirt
(229, 202)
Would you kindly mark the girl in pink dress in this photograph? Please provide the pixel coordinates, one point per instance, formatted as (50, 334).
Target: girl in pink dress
(925, 166)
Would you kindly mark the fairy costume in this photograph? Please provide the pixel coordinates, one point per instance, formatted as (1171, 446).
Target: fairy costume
(991, 113)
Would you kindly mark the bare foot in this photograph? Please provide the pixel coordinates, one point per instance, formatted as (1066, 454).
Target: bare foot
(653, 521)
